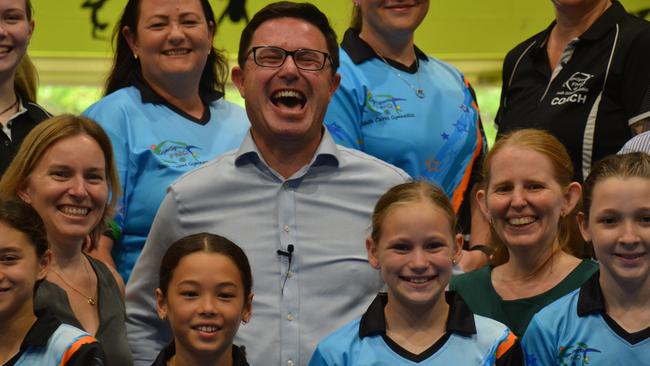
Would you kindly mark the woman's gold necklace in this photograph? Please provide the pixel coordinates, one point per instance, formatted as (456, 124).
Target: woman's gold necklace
(10, 107)
(90, 299)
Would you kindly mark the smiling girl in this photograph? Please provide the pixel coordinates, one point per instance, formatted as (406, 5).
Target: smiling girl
(205, 294)
(414, 246)
(26, 339)
(606, 321)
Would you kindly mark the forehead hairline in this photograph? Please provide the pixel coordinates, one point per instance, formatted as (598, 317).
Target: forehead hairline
(274, 44)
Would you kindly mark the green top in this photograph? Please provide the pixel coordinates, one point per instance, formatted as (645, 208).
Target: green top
(477, 291)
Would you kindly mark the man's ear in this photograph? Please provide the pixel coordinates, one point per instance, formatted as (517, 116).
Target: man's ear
(237, 76)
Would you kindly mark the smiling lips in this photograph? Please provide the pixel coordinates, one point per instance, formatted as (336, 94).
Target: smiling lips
(176, 52)
(417, 280)
(521, 221)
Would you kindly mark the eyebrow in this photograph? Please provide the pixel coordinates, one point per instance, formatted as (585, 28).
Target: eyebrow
(11, 249)
(196, 283)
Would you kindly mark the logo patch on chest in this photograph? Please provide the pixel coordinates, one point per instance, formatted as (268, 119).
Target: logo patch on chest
(177, 154)
(574, 90)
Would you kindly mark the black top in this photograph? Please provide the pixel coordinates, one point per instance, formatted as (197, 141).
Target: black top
(238, 357)
(601, 87)
(460, 321)
(89, 354)
(20, 125)
(591, 301)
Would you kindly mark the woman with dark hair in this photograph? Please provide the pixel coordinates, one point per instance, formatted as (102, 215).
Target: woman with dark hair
(65, 171)
(409, 109)
(164, 111)
(19, 112)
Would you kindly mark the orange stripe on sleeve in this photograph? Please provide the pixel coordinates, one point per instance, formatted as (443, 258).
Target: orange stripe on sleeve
(506, 345)
(74, 347)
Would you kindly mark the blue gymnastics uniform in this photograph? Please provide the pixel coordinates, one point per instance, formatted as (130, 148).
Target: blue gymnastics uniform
(154, 143)
(437, 138)
(576, 330)
(470, 340)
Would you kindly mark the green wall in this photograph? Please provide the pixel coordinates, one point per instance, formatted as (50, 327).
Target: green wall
(453, 29)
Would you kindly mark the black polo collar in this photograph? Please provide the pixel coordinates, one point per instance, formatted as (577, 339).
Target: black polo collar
(38, 335)
(460, 321)
(238, 355)
(591, 301)
(149, 95)
(360, 51)
(598, 30)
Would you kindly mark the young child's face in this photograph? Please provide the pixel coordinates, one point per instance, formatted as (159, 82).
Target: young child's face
(619, 227)
(20, 268)
(205, 303)
(414, 253)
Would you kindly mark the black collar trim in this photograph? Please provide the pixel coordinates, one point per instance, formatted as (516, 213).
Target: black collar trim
(150, 96)
(591, 301)
(460, 320)
(360, 51)
(238, 355)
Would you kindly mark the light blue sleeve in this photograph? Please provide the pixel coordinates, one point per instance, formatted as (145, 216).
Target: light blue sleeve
(114, 120)
(344, 114)
(147, 333)
(318, 359)
(538, 344)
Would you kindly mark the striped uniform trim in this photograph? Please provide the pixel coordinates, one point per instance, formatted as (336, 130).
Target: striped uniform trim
(590, 127)
(74, 347)
(506, 345)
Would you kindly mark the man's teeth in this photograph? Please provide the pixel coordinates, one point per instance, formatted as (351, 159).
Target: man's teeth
(521, 220)
(207, 328)
(75, 211)
(287, 94)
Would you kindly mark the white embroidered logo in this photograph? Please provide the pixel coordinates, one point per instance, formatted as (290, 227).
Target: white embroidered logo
(574, 90)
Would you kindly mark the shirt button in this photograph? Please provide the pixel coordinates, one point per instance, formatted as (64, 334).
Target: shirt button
(290, 274)
(290, 317)
(290, 363)
(286, 228)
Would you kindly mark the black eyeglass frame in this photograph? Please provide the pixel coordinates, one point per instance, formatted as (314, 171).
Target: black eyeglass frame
(326, 57)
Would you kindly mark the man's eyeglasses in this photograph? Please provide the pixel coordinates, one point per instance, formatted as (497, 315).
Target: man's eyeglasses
(304, 58)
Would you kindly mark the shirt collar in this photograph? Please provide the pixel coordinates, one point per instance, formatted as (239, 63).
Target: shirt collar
(360, 51)
(327, 152)
(590, 299)
(460, 319)
(238, 357)
(40, 332)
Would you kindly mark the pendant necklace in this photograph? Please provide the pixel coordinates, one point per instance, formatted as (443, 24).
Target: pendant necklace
(90, 299)
(419, 92)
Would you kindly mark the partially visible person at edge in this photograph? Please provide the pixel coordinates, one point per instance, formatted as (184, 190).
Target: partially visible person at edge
(27, 338)
(607, 320)
(530, 200)
(164, 110)
(641, 140)
(19, 112)
(297, 203)
(65, 170)
(585, 79)
(205, 293)
(411, 110)
(414, 245)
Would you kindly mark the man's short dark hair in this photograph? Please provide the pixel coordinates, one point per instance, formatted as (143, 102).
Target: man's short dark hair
(289, 9)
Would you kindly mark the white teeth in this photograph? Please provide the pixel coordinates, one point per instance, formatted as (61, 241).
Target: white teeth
(288, 94)
(207, 328)
(74, 211)
(418, 280)
(176, 52)
(521, 220)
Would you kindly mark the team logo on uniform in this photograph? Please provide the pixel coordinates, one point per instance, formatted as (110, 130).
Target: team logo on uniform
(383, 107)
(573, 90)
(177, 154)
(576, 355)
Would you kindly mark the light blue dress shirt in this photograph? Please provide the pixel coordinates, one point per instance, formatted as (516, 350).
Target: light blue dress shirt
(323, 210)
